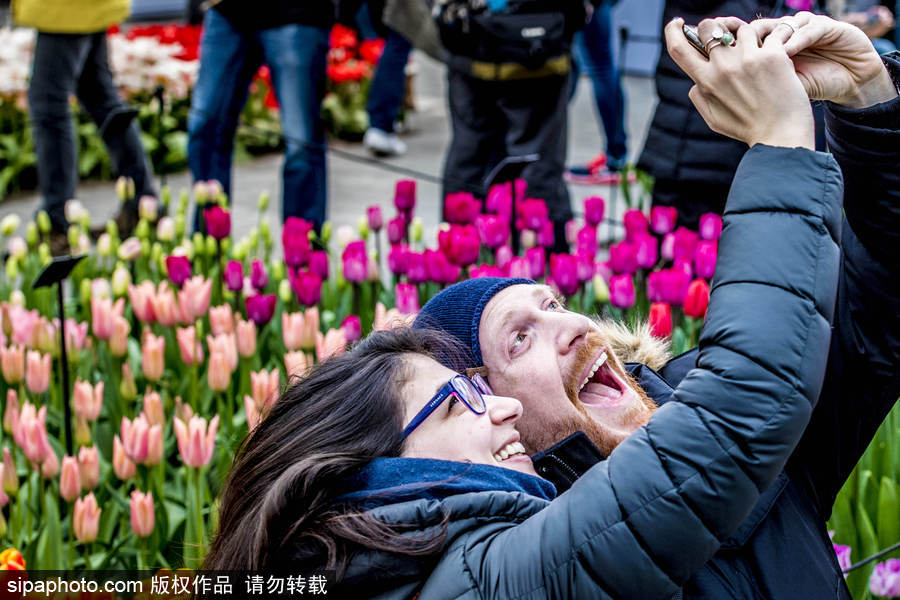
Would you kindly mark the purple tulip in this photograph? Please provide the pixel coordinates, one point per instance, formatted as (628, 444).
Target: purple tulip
(295, 241)
(398, 258)
(308, 287)
(843, 555)
(710, 226)
(260, 308)
(318, 263)
(663, 218)
(519, 267)
(405, 195)
(178, 268)
(621, 291)
(705, 258)
(564, 273)
(533, 213)
(355, 261)
(667, 247)
(537, 261)
(259, 278)
(594, 207)
(646, 251)
(885, 581)
(476, 271)
(623, 258)
(635, 224)
(461, 208)
(586, 240)
(493, 229)
(460, 244)
(440, 269)
(218, 222)
(234, 275)
(376, 221)
(685, 243)
(396, 230)
(416, 267)
(352, 328)
(502, 256)
(584, 266)
(499, 200)
(407, 298)
(546, 237)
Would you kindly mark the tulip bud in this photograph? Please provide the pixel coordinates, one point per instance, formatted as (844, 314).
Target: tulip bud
(17, 298)
(122, 465)
(142, 231)
(265, 232)
(601, 290)
(17, 248)
(180, 226)
(121, 279)
(284, 291)
(112, 229)
(145, 248)
(147, 208)
(12, 268)
(362, 226)
(127, 387)
(82, 431)
(184, 198)
(276, 268)
(70, 479)
(43, 221)
(165, 229)
(125, 188)
(31, 234)
(211, 246)
(263, 203)
(9, 224)
(10, 476)
(50, 466)
(142, 513)
(86, 519)
(44, 255)
(89, 467)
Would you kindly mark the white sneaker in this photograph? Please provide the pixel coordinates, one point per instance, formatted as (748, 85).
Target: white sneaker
(382, 143)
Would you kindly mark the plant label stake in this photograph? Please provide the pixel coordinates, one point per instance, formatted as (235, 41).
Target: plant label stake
(56, 272)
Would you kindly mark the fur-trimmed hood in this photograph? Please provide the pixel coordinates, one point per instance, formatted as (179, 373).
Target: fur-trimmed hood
(636, 344)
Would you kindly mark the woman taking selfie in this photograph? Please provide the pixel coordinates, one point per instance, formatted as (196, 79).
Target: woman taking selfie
(408, 480)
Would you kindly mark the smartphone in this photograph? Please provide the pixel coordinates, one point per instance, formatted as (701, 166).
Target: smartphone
(690, 32)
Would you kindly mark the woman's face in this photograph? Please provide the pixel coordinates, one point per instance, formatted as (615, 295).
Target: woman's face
(452, 431)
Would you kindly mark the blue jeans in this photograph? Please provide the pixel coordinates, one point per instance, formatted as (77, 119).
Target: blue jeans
(593, 54)
(388, 85)
(295, 55)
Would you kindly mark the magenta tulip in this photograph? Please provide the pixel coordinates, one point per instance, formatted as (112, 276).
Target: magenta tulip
(396, 230)
(218, 222)
(586, 240)
(376, 221)
(623, 257)
(685, 243)
(533, 213)
(460, 244)
(439, 268)
(503, 255)
(663, 218)
(234, 275)
(584, 266)
(635, 222)
(476, 271)
(499, 200)
(308, 287)
(405, 195)
(493, 229)
(621, 291)
(594, 207)
(352, 328)
(260, 308)
(178, 269)
(705, 258)
(546, 235)
(318, 263)
(355, 261)
(461, 208)
(295, 241)
(537, 261)
(564, 273)
(416, 267)
(710, 226)
(407, 298)
(885, 580)
(667, 247)
(259, 278)
(646, 250)
(398, 259)
(518, 267)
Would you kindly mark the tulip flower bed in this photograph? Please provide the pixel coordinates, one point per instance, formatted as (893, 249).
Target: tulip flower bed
(177, 343)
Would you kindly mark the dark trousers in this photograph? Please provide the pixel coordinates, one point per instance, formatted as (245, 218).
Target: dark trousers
(78, 63)
(389, 83)
(493, 120)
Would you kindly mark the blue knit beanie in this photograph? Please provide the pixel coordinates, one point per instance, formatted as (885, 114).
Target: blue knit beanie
(457, 311)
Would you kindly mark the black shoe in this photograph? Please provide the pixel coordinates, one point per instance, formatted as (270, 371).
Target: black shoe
(126, 220)
(59, 243)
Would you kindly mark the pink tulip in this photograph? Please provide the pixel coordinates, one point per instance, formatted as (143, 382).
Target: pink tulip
(493, 230)
(12, 363)
(252, 412)
(190, 347)
(291, 329)
(407, 298)
(102, 313)
(11, 412)
(193, 299)
(142, 513)
(710, 226)
(461, 208)
(178, 268)
(259, 278)
(663, 218)
(218, 222)
(518, 267)
(355, 261)
(260, 308)
(227, 346)
(646, 251)
(234, 275)
(37, 372)
(396, 230)
(310, 328)
(86, 519)
(136, 438)
(295, 241)
(537, 261)
(154, 446)
(196, 442)
(245, 332)
(584, 266)
(705, 258)
(153, 356)
(143, 297)
(296, 363)
(460, 244)
(685, 243)
(586, 239)
(476, 271)
(45, 337)
(621, 291)
(373, 214)
(667, 247)
(153, 409)
(123, 467)
(416, 267)
(533, 213)
(564, 273)
(623, 258)
(23, 323)
(332, 343)
(87, 400)
(76, 336)
(221, 319)
(307, 286)
(352, 328)
(10, 476)
(88, 467)
(70, 479)
(129, 249)
(594, 208)
(405, 195)
(885, 579)
(118, 340)
(635, 222)
(50, 466)
(499, 200)
(264, 387)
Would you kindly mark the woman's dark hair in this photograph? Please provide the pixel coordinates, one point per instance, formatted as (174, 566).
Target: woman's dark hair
(278, 505)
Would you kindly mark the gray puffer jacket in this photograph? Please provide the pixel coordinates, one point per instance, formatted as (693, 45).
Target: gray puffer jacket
(640, 523)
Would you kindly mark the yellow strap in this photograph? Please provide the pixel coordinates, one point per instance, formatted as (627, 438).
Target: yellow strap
(559, 65)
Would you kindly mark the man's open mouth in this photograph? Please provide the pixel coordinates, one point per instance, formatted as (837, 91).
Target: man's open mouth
(600, 385)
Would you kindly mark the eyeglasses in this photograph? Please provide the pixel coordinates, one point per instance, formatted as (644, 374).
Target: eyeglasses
(469, 391)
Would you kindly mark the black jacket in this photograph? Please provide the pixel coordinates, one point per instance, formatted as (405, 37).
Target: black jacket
(782, 551)
(253, 15)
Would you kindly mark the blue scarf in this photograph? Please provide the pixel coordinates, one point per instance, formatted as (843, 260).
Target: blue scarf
(391, 480)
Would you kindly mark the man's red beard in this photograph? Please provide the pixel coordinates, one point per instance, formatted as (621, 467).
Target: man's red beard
(603, 437)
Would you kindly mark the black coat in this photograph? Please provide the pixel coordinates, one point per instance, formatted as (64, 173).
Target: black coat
(262, 14)
(782, 550)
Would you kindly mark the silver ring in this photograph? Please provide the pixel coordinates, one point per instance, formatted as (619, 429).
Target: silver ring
(793, 29)
(712, 44)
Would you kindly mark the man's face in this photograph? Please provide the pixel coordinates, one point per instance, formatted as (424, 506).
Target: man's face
(558, 364)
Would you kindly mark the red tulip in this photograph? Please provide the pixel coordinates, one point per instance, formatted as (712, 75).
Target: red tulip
(635, 222)
(295, 241)
(710, 226)
(623, 258)
(661, 319)
(537, 261)
(461, 208)
(460, 244)
(663, 218)
(234, 275)
(705, 258)
(493, 229)
(594, 208)
(178, 268)
(564, 273)
(260, 308)
(696, 300)
(621, 291)
(355, 261)
(218, 222)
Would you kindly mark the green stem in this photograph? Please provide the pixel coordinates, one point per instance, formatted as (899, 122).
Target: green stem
(199, 507)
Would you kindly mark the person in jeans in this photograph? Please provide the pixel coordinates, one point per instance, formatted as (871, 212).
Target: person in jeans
(71, 57)
(292, 39)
